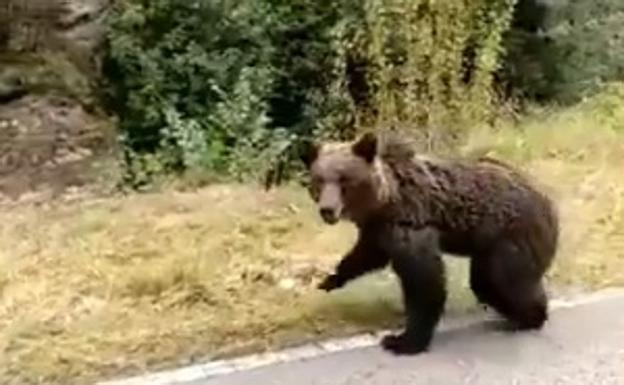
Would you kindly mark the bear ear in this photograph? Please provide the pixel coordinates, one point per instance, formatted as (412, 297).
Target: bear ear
(309, 152)
(366, 147)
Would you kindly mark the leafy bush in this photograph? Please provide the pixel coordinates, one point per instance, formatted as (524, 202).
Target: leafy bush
(228, 86)
(429, 64)
(564, 50)
(189, 78)
(588, 44)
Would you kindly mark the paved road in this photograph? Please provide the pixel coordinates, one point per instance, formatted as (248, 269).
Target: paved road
(580, 345)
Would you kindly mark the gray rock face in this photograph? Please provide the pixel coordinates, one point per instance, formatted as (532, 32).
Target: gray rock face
(49, 53)
(81, 30)
(73, 26)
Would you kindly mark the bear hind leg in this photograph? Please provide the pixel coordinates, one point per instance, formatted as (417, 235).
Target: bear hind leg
(509, 281)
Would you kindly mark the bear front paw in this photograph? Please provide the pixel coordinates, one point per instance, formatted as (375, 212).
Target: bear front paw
(401, 344)
(331, 282)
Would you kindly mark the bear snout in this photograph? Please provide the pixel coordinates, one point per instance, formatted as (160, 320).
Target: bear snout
(330, 215)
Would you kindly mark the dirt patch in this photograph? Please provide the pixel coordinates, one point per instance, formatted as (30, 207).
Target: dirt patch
(49, 143)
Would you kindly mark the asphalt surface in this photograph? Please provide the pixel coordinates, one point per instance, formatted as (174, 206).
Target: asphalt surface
(580, 345)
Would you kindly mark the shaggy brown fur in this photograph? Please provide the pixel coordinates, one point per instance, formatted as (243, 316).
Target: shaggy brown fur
(409, 209)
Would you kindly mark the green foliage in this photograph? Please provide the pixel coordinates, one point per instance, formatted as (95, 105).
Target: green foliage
(588, 43)
(564, 50)
(189, 78)
(230, 86)
(430, 64)
(606, 106)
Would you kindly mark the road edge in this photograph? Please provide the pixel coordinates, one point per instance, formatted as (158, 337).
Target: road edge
(217, 368)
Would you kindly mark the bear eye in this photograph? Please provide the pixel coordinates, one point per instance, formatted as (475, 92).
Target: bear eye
(344, 179)
(317, 180)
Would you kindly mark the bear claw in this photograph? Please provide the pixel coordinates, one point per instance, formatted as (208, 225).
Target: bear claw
(401, 344)
(331, 282)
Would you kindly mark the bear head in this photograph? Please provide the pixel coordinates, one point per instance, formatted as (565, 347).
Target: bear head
(346, 178)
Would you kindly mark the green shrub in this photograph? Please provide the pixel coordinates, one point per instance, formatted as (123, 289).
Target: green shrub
(228, 86)
(565, 50)
(189, 78)
(429, 64)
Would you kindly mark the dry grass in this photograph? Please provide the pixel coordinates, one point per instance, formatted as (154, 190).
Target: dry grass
(108, 287)
(116, 286)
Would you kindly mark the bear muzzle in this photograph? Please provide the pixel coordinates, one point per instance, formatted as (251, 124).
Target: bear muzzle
(330, 203)
(330, 215)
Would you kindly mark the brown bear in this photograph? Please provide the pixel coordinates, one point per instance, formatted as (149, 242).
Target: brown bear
(410, 209)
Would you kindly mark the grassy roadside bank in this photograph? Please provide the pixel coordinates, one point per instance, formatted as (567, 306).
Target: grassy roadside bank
(113, 286)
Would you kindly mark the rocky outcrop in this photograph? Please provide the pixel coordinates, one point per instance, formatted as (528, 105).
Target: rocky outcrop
(49, 54)
(81, 30)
